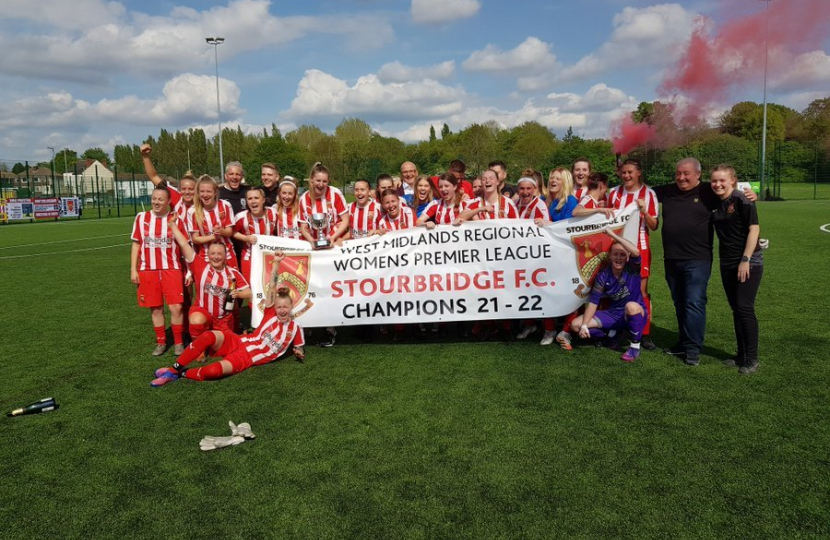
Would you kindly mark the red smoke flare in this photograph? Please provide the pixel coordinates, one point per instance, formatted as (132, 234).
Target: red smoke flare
(627, 135)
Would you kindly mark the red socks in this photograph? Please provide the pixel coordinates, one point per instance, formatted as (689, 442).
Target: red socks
(209, 372)
(195, 349)
(161, 337)
(178, 331)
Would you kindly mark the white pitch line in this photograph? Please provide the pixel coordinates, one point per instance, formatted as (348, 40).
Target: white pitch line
(61, 252)
(824, 227)
(62, 241)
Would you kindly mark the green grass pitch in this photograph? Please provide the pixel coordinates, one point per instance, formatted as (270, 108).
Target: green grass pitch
(440, 440)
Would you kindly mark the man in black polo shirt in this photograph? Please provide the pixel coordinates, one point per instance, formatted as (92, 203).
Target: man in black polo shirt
(270, 176)
(687, 249)
(233, 190)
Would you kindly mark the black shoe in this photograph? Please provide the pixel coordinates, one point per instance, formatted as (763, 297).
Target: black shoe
(647, 344)
(731, 362)
(328, 340)
(677, 350)
(692, 361)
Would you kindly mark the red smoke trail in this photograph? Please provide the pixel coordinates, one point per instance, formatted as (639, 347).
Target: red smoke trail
(733, 57)
(627, 135)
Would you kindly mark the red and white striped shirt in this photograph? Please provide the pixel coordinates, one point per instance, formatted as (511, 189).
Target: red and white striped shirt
(580, 192)
(177, 204)
(405, 220)
(272, 338)
(221, 216)
(332, 203)
(363, 219)
(441, 213)
(288, 224)
(159, 250)
(589, 203)
(535, 209)
(620, 198)
(247, 224)
(506, 209)
(212, 286)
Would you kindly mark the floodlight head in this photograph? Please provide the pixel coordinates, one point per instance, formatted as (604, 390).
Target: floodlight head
(215, 40)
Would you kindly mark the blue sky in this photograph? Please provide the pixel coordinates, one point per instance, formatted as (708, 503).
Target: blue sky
(95, 73)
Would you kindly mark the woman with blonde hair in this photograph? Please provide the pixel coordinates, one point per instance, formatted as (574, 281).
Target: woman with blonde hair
(288, 210)
(211, 220)
(560, 196)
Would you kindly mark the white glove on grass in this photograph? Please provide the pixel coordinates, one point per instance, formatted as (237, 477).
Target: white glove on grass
(214, 443)
(241, 430)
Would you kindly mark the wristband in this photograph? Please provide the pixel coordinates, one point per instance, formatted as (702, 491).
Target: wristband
(744, 259)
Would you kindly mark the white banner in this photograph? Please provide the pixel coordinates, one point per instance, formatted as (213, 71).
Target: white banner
(499, 269)
(20, 209)
(69, 206)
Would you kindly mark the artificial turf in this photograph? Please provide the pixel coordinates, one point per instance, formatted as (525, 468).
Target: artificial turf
(416, 440)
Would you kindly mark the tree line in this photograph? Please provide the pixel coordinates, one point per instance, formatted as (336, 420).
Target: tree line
(798, 145)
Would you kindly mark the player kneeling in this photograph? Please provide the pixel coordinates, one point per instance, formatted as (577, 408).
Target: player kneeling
(270, 340)
(619, 282)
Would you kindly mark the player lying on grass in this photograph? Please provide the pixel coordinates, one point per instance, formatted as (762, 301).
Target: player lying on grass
(271, 340)
(619, 282)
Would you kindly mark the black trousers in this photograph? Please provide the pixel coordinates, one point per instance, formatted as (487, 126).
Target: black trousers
(741, 297)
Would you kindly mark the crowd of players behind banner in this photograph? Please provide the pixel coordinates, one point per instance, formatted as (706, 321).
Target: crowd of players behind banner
(192, 251)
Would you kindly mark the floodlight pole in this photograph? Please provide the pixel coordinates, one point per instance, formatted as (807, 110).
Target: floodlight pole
(764, 129)
(53, 169)
(216, 41)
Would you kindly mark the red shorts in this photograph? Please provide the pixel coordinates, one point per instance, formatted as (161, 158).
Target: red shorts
(645, 263)
(233, 351)
(225, 324)
(157, 287)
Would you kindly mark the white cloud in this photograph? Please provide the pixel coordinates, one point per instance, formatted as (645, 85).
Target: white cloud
(398, 73)
(642, 37)
(589, 114)
(94, 47)
(531, 55)
(185, 99)
(805, 71)
(320, 95)
(442, 11)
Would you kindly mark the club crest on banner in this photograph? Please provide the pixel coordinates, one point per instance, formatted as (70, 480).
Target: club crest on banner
(591, 250)
(292, 273)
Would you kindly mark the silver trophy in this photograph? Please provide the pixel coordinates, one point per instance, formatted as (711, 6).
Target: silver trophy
(320, 222)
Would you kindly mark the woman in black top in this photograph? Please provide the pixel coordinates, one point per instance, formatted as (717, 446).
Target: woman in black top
(741, 262)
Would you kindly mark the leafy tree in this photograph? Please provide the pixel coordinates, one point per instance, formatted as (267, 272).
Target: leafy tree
(817, 120)
(477, 147)
(18, 168)
(96, 153)
(445, 131)
(65, 161)
(432, 133)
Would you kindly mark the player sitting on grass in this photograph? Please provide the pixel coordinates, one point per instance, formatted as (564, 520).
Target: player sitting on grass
(271, 340)
(618, 281)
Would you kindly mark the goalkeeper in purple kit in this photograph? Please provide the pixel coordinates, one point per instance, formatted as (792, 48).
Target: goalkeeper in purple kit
(618, 282)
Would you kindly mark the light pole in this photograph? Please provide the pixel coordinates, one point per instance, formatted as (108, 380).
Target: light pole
(764, 128)
(53, 169)
(216, 41)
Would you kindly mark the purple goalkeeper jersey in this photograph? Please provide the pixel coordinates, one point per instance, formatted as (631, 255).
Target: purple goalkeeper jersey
(619, 290)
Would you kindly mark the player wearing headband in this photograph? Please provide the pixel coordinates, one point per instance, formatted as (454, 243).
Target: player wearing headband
(530, 205)
(271, 340)
(619, 282)
(156, 269)
(288, 210)
(364, 211)
(634, 191)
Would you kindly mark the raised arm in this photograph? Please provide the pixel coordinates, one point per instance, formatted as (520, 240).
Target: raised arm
(629, 247)
(149, 168)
